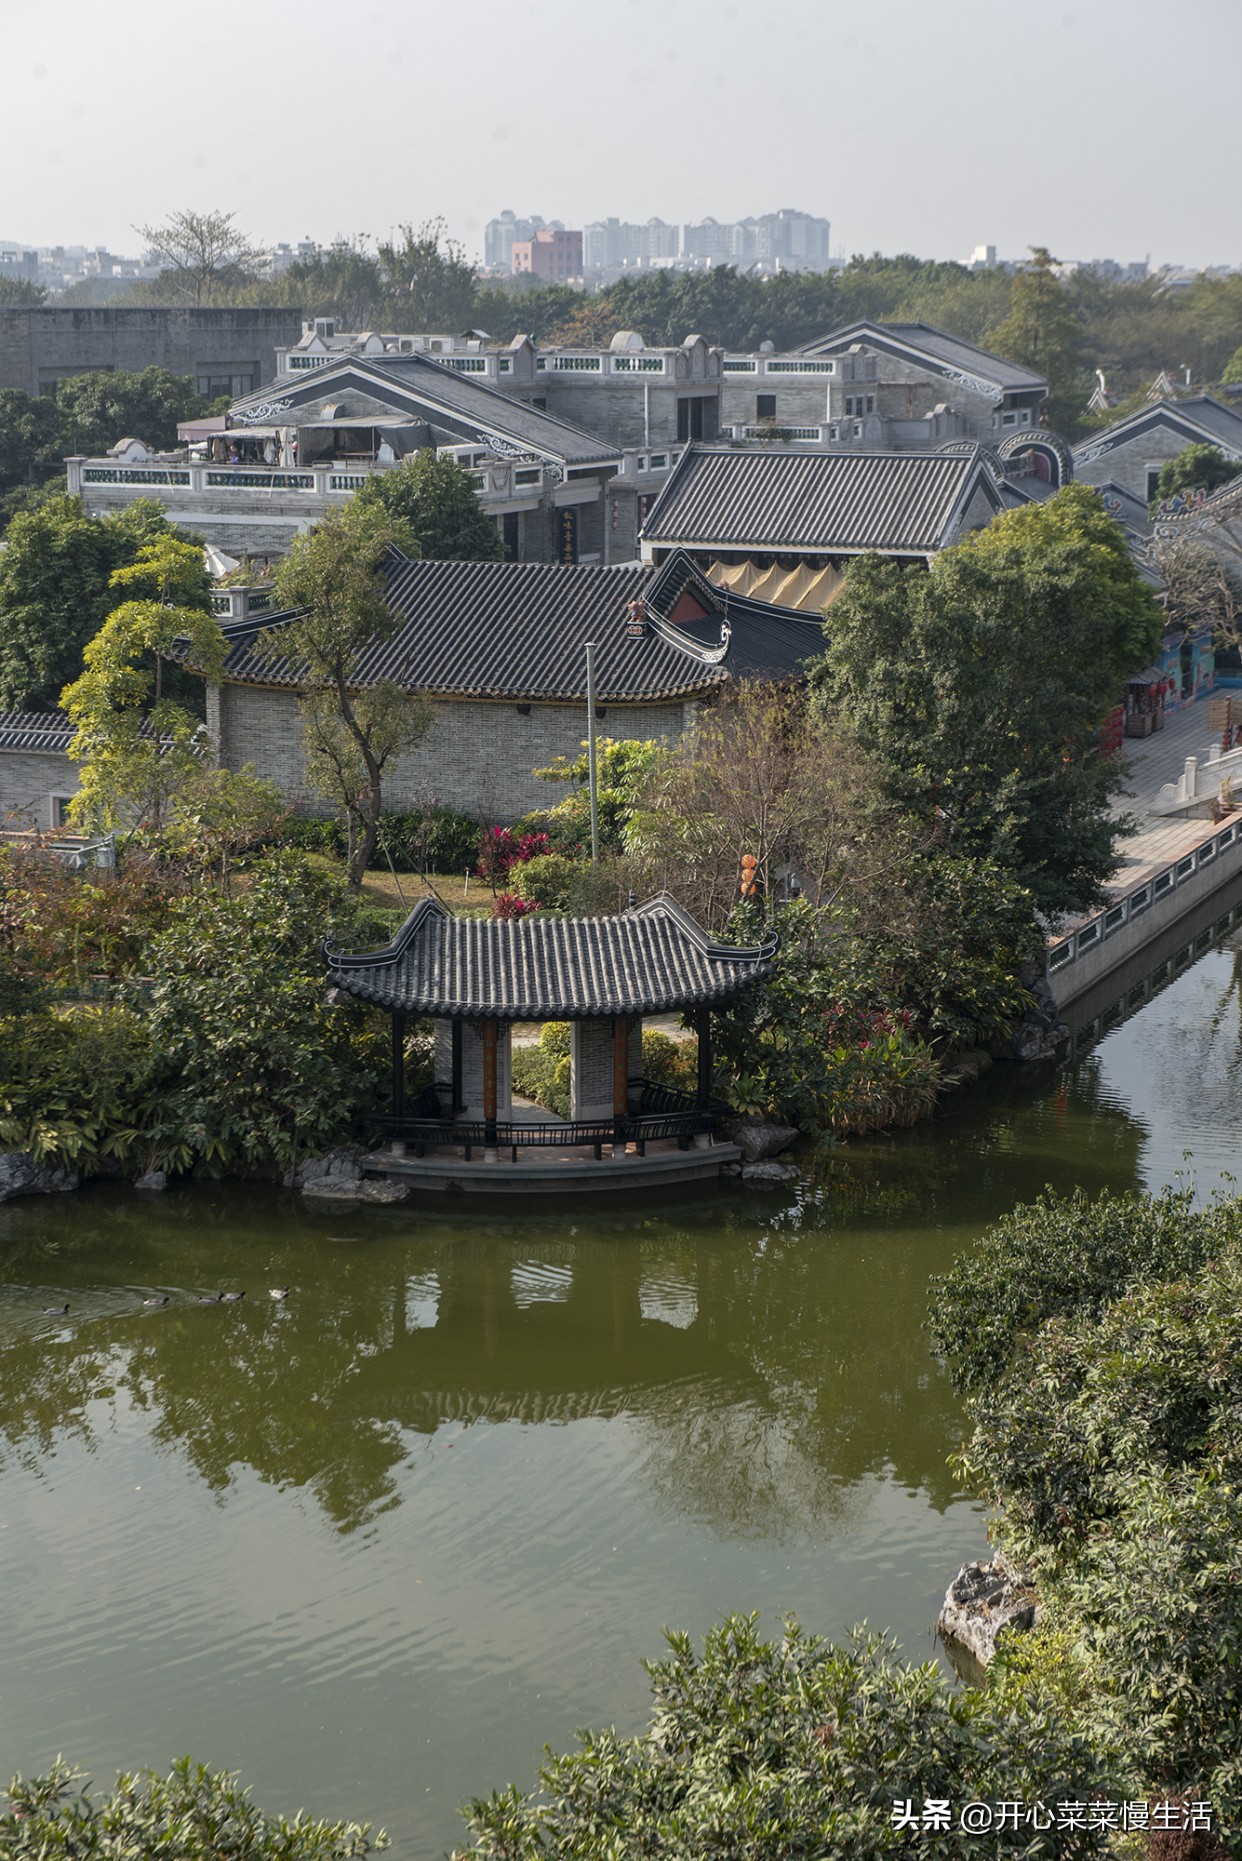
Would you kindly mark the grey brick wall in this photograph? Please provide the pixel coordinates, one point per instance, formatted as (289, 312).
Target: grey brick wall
(1129, 463)
(477, 757)
(40, 345)
(28, 780)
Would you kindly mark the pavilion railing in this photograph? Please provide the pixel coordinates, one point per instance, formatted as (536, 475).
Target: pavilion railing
(662, 1113)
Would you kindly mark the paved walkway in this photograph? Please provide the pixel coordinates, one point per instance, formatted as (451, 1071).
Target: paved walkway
(1153, 761)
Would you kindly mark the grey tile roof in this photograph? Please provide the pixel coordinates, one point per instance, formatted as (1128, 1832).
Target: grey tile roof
(942, 351)
(422, 389)
(646, 961)
(1199, 419)
(829, 502)
(35, 730)
(1122, 505)
(519, 630)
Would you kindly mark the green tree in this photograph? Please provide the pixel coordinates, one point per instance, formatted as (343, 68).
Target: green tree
(254, 1066)
(98, 409)
(1101, 1346)
(22, 293)
(30, 437)
(55, 590)
(1231, 374)
(136, 744)
(982, 684)
(522, 306)
(335, 577)
(192, 1814)
(439, 507)
(201, 251)
(429, 284)
(341, 280)
(1196, 468)
(1042, 331)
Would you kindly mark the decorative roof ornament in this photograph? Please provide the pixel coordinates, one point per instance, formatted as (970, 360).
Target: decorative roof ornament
(261, 411)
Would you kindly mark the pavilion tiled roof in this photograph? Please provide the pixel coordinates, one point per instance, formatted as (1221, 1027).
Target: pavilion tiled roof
(648, 960)
(519, 630)
(829, 502)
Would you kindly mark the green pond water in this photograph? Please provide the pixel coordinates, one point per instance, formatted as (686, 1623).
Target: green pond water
(375, 1545)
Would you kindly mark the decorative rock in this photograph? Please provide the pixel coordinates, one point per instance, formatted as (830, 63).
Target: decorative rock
(769, 1175)
(154, 1179)
(24, 1175)
(982, 1600)
(757, 1140)
(969, 1066)
(333, 1166)
(355, 1189)
(1036, 1042)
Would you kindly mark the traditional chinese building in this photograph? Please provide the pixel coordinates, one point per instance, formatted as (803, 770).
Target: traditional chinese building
(476, 977)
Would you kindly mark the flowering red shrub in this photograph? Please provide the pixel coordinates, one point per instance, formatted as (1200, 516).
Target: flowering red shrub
(500, 849)
(510, 905)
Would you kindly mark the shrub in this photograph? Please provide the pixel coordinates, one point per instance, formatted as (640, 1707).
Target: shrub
(65, 928)
(541, 1072)
(555, 1039)
(500, 849)
(1059, 1256)
(1105, 1396)
(191, 1815)
(513, 905)
(810, 1045)
(315, 833)
(77, 1085)
(794, 1750)
(670, 1062)
(254, 1063)
(548, 879)
(429, 840)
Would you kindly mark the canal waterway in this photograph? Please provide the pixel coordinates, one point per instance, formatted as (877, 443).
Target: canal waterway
(374, 1544)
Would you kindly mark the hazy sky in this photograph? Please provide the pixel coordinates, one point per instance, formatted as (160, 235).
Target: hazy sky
(1096, 127)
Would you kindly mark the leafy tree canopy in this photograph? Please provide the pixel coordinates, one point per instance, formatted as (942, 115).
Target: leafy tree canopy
(429, 283)
(335, 576)
(1101, 1344)
(138, 745)
(437, 503)
(981, 686)
(98, 409)
(1195, 468)
(55, 591)
(1044, 330)
(20, 293)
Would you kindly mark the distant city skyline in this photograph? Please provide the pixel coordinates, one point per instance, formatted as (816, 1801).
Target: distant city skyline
(931, 131)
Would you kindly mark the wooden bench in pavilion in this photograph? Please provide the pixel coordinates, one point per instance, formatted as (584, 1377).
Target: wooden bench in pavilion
(476, 977)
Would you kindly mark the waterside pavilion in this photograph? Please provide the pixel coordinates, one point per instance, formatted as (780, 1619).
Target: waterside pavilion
(476, 977)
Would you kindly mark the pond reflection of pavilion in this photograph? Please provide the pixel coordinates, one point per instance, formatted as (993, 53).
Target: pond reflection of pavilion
(476, 977)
